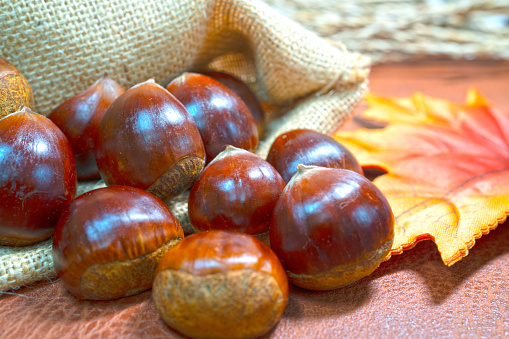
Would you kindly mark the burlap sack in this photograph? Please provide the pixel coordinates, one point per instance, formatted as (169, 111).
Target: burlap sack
(64, 46)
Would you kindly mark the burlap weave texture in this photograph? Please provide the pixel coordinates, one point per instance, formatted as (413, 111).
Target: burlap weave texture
(64, 46)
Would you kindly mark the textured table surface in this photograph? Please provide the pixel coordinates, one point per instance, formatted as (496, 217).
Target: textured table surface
(411, 295)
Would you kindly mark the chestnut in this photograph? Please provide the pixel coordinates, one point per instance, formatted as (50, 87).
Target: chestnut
(37, 177)
(237, 191)
(307, 147)
(147, 139)
(220, 284)
(15, 91)
(330, 228)
(222, 117)
(238, 87)
(79, 118)
(108, 242)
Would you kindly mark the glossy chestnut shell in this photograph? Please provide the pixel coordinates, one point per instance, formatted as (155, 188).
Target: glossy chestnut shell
(79, 118)
(109, 241)
(330, 228)
(244, 92)
(311, 148)
(147, 139)
(237, 191)
(37, 177)
(15, 91)
(221, 116)
(220, 284)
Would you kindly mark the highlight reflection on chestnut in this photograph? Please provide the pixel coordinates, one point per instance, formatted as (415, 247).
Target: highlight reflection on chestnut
(237, 191)
(311, 148)
(79, 117)
(230, 284)
(37, 177)
(147, 139)
(244, 92)
(330, 228)
(109, 241)
(222, 117)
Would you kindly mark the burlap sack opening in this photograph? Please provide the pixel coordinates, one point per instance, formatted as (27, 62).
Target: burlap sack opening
(63, 47)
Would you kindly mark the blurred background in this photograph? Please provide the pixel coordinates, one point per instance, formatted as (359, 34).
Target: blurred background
(397, 30)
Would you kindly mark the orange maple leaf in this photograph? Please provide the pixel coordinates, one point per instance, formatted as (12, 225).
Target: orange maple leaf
(447, 168)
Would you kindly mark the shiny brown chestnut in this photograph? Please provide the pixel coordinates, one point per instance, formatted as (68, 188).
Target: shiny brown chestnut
(15, 91)
(79, 118)
(37, 177)
(311, 148)
(330, 228)
(222, 117)
(237, 191)
(220, 284)
(244, 92)
(147, 139)
(108, 242)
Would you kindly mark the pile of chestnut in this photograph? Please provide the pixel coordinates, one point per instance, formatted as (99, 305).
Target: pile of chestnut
(326, 224)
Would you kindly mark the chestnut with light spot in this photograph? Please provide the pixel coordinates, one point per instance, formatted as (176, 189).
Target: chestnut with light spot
(220, 284)
(330, 228)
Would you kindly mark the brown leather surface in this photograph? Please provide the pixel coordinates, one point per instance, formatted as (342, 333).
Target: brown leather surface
(411, 295)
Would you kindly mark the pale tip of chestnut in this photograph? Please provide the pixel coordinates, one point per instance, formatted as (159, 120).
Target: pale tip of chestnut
(181, 78)
(302, 169)
(150, 81)
(25, 109)
(105, 77)
(105, 80)
(228, 150)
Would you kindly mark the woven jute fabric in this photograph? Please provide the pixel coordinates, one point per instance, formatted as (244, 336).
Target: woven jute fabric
(62, 47)
(25, 265)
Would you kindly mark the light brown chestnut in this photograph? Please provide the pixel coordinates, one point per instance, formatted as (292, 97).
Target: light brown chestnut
(147, 139)
(220, 284)
(109, 241)
(79, 118)
(222, 117)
